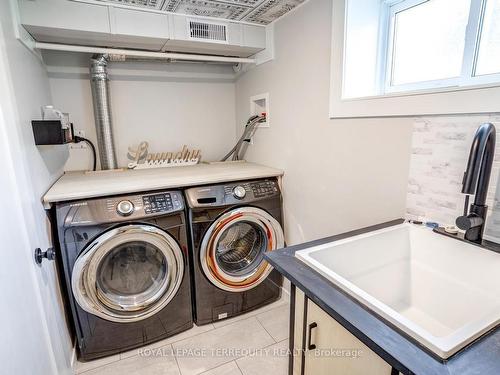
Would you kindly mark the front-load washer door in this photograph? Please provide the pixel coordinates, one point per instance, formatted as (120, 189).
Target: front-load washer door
(128, 273)
(232, 250)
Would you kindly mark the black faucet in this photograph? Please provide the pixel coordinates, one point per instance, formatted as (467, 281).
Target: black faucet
(475, 182)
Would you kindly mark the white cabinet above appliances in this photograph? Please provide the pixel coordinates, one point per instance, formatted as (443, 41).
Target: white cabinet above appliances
(101, 25)
(132, 28)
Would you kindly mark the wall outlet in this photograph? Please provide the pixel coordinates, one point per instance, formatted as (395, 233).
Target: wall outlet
(81, 145)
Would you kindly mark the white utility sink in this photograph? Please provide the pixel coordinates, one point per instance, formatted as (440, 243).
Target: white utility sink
(442, 292)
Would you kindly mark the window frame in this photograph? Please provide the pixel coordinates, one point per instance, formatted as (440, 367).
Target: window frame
(470, 77)
(467, 76)
(474, 99)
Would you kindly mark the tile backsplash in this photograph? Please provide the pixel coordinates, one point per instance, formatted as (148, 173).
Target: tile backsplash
(440, 149)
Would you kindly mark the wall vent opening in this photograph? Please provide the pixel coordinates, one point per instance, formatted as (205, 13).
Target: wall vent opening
(208, 31)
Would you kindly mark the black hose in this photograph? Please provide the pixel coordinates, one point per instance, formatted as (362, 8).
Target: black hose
(81, 139)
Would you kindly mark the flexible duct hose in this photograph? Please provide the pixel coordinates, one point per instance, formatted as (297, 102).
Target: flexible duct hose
(99, 83)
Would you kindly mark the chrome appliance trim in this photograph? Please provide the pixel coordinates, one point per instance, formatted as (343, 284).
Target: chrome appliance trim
(217, 276)
(84, 277)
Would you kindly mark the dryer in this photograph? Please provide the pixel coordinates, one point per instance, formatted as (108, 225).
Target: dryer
(232, 226)
(125, 264)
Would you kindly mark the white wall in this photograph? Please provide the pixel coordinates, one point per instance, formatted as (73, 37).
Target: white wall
(339, 174)
(347, 173)
(36, 169)
(167, 105)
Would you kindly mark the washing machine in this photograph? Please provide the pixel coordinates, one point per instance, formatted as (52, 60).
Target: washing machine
(232, 227)
(125, 264)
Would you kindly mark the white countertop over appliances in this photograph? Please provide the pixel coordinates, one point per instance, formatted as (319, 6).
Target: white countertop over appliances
(81, 185)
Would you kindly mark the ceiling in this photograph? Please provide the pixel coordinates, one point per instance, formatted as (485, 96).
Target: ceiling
(261, 12)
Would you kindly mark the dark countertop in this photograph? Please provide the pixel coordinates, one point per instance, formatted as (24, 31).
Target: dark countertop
(482, 357)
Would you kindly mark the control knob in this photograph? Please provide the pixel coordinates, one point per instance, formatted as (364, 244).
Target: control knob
(125, 208)
(239, 192)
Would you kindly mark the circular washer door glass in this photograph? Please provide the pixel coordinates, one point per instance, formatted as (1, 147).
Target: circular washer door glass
(132, 275)
(233, 248)
(128, 273)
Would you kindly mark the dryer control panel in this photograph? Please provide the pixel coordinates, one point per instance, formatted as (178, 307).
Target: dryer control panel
(233, 193)
(264, 188)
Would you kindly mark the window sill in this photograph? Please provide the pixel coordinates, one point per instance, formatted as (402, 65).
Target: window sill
(450, 101)
(436, 90)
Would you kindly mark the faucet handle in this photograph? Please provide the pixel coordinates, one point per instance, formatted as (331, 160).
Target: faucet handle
(469, 221)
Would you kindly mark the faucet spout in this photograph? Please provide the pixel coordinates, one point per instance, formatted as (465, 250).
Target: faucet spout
(476, 180)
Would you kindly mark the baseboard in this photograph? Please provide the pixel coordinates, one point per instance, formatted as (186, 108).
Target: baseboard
(73, 358)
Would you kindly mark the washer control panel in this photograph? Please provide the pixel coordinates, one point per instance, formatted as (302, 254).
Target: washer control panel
(163, 202)
(122, 208)
(130, 207)
(125, 208)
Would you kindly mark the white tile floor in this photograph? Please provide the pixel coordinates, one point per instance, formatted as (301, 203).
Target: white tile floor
(253, 343)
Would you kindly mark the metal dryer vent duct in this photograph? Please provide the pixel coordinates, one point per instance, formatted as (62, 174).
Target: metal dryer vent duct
(99, 83)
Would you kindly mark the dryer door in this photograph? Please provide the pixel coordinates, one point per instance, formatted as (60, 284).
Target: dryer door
(128, 273)
(232, 250)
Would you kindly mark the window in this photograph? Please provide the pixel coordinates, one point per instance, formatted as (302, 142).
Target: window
(439, 43)
(397, 46)
(428, 40)
(414, 57)
(488, 61)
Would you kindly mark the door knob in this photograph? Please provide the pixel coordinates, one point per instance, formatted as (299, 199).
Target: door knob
(49, 254)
